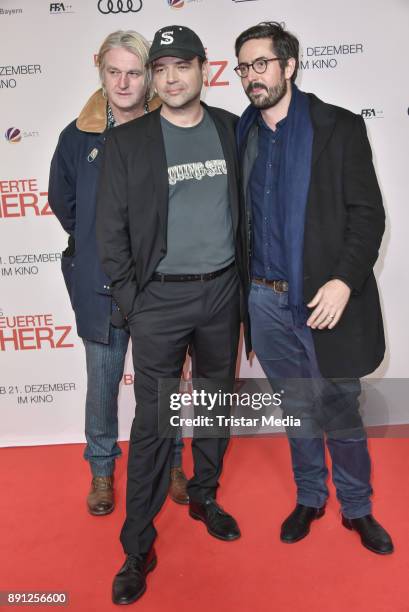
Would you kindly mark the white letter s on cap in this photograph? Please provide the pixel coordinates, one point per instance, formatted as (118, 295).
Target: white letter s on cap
(167, 38)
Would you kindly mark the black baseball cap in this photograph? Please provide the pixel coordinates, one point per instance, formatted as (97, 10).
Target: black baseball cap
(176, 41)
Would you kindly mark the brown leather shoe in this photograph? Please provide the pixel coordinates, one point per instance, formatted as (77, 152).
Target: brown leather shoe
(100, 499)
(178, 484)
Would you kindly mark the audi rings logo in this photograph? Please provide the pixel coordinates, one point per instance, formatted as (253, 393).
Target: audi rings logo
(114, 7)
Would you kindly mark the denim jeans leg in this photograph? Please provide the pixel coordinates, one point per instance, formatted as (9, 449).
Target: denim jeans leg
(285, 359)
(105, 366)
(178, 445)
(310, 471)
(351, 472)
(347, 444)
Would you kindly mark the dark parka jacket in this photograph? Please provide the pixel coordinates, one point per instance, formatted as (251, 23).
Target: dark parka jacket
(74, 177)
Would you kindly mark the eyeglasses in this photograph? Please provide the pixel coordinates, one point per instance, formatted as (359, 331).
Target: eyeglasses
(259, 66)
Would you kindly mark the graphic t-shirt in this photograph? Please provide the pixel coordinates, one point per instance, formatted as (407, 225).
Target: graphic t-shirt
(200, 232)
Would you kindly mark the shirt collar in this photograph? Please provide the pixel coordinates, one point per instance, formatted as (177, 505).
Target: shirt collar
(111, 123)
(263, 124)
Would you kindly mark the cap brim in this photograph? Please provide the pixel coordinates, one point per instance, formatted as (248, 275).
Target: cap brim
(182, 53)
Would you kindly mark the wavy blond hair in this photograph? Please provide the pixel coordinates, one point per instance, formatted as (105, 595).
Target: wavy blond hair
(134, 43)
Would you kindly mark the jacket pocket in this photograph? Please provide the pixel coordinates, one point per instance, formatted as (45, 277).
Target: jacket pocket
(102, 283)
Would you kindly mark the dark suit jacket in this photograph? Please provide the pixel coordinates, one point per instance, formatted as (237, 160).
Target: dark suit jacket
(344, 225)
(132, 206)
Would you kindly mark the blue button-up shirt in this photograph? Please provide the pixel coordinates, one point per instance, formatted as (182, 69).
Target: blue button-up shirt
(268, 255)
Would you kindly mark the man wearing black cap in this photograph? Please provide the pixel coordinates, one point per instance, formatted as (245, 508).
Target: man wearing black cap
(168, 232)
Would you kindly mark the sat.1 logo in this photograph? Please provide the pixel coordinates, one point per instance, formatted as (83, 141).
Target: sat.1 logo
(13, 135)
(178, 4)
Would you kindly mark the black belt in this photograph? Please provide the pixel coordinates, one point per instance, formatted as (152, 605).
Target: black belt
(279, 286)
(165, 278)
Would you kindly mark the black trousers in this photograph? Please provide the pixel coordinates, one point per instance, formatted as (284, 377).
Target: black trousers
(166, 319)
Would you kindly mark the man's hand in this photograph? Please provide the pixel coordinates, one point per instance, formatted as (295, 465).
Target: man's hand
(329, 303)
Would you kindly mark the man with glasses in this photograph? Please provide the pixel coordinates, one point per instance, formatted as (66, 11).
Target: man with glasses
(314, 227)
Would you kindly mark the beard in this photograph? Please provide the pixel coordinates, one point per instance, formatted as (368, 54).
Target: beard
(272, 96)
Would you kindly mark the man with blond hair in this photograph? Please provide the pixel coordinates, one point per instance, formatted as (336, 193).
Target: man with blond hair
(126, 94)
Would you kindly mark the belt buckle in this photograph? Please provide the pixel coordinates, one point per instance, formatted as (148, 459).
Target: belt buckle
(279, 286)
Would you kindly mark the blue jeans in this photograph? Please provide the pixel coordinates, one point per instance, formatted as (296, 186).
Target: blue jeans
(327, 408)
(105, 366)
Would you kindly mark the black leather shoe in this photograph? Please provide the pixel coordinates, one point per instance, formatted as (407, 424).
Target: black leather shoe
(219, 524)
(130, 582)
(297, 525)
(373, 535)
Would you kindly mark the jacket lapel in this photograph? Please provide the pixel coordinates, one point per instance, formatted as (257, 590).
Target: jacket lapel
(229, 151)
(159, 166)
(323, 122)
(249, 156)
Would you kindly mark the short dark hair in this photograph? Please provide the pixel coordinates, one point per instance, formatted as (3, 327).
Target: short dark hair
(285, 44)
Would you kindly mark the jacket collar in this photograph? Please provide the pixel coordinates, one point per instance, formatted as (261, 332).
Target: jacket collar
(323, 117)
(93, 117)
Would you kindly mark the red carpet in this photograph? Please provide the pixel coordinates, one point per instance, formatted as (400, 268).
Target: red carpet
(50, 543)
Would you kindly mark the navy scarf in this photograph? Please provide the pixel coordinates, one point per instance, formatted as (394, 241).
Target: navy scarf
(293, 187)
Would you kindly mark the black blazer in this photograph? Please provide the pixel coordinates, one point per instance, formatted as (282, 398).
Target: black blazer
(344, 225)
(132, 206)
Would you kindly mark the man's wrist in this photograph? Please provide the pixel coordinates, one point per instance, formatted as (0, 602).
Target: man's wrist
(344, 280)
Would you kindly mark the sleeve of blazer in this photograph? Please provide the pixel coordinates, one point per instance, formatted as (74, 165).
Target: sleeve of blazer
(112, 226)
(62, 185)
(365, 212)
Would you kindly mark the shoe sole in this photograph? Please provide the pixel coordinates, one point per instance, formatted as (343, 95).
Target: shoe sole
(150, 567)
(305, 534)
(197, 517)
(96, 513)
(374, 550)
(178, 501)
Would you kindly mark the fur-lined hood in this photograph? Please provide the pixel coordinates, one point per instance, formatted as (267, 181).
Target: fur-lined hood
(93, 117)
